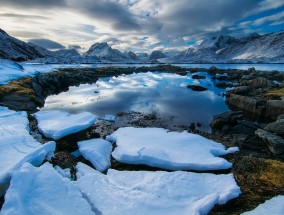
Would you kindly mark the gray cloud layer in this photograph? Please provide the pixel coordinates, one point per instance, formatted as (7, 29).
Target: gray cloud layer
(46, 43)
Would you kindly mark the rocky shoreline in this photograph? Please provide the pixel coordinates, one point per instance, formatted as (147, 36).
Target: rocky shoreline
(255, 125)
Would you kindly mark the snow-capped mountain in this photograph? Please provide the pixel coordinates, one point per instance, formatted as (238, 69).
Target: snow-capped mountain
(225, 49)
(105, 53)
(155, 55)
(17, 50)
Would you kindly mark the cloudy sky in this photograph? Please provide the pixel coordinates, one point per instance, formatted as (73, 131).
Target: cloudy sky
(137, 25)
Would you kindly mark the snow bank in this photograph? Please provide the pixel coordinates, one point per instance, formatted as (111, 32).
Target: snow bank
(158, 147)
(10, 70)
(17, 145)
(97, 151)
(143, 192)
(273, 206)
(43, 191)
(56, 124)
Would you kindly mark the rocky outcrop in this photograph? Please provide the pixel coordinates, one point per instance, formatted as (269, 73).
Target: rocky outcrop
(229, 118)
(276, 127)
(274, 143)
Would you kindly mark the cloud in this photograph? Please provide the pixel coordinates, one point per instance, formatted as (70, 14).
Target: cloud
(114, 13)
(46, 43)
(76, 47)
(33, 3)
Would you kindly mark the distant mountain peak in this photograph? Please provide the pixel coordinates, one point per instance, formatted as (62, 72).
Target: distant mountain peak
(3, 32)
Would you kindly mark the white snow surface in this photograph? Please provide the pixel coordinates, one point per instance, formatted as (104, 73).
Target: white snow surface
(56, 124)
(43, 191)
(145, 192)
(273, 206)
(157, 147)
(97, 151)
(17, 146)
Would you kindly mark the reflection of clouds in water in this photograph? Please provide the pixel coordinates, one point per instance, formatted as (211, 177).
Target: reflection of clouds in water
(163, 93)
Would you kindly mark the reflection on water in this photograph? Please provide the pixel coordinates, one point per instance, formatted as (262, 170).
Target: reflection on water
(162, 93)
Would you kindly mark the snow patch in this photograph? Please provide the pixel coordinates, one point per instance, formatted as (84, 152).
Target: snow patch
(43, 191)
(158, 147)
(97, 151)
(56, 124)
(273, 206)
(17, 146)
(145, 192)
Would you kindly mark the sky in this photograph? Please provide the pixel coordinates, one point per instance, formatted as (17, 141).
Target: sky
(136, 25)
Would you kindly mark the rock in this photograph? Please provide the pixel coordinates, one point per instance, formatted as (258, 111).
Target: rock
(276, 127)
(242, 90)
(274, 108)
(227, 118)
(198, 77)
(260, 82)
(197, 87)
(274, 143)
(224, 85)
(18, 102)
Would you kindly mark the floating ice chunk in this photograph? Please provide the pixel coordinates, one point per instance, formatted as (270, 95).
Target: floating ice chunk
(56, 124)
(63, 172)
(43, 191)
(158, 147)
(97, 151)
(76, 153)
(10, 70)
(145, 192)
(17, 146)
(273, 206)
(110, 118)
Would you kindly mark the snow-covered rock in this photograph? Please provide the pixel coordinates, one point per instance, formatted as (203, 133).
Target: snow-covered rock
(273, 206)
(43, 191)
(145, 192)
(158, 147)
(17, 146)
(56, 124)
(97, 151)
(105, 53)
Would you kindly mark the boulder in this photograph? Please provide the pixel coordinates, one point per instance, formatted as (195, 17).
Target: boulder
(276, 127)
(260, 82)
(197, 87)
(274, 143)
(224, 85)
(274, 108)
(242, 90)
(227, 118)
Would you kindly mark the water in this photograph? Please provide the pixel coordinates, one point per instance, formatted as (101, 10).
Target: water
(161, 93)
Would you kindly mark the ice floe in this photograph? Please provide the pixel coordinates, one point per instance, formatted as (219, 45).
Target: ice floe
(56, 124)
(43, 191)
(108, 117)
(97, 151)
(273, 206)
(158, 147)
(17, 146)
(145, 192)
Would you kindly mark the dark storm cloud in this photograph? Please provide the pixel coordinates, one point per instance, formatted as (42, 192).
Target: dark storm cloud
(207, 15)
(32, 3)
(116, 14)
(46, 43)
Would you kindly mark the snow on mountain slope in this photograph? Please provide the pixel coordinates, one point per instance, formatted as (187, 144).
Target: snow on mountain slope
(225, 49)
(14, 49)
(104, 52)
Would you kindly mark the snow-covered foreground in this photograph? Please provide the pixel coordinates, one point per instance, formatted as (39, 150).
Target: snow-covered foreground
(57, 124)
(43, 191)
(158, 147)
(97, 151)
(273, 206)
(144, 192)
(17, 145)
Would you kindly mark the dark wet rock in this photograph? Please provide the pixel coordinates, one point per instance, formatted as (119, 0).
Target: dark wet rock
(260, 83)
(18, 102)
(274, 143)
(224, 85)
(274, 108)
(242, 90)
(198, 77)
(227, 118)
(276, 127)
(197, 87)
